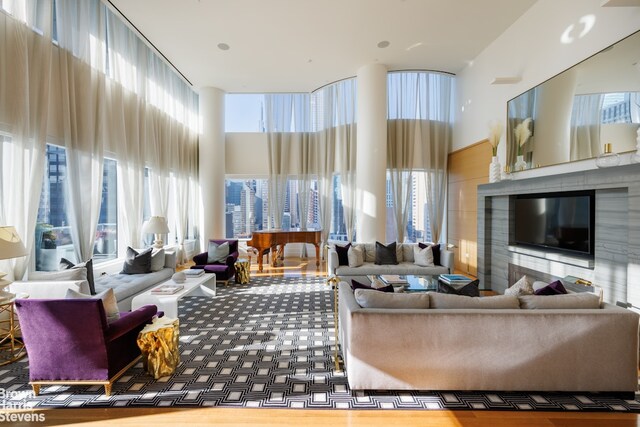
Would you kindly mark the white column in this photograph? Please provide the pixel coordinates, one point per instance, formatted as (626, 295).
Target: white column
(371, 163)
(212, 165)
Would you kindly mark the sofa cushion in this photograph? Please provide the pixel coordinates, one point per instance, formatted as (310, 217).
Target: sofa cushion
(127, 285)
(386, 254)
(369, 250)
(435, 249)
(423, 256)
(218, 252)
(157, 259)
(108, 301)
(371, 299)
(65, 264)
(438, 300)
(407, 252)
(369, 268)
(470, 289)
(521, 287)
(137, 263)
(582, 300)
(355, 257)
(553, 288)
(357, 285)
(342, 254)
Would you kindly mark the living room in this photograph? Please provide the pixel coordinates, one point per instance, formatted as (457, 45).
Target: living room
(157, 148)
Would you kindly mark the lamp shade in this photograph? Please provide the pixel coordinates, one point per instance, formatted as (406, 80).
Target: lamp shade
(11, 245)
(156, 225)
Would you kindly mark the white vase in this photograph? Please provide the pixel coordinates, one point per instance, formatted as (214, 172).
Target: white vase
(520, 164)
(494, 170)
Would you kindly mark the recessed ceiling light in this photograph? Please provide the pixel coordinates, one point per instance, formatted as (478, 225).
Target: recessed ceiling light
(383, 44)
(223, 46)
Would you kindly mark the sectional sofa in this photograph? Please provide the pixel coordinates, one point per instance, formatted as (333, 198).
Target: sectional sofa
(406, 262)
(501, 343)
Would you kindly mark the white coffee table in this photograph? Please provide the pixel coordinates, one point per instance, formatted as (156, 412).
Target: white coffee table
(194, 286)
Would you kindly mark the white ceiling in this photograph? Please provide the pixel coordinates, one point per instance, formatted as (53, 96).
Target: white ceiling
(300, 45)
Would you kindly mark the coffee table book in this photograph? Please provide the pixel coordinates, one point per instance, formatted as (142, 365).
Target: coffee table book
(192, 272)
(393, 279)
(167, 289)
(455, 279)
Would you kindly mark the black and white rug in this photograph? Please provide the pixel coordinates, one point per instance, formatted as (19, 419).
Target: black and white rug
(269, 344)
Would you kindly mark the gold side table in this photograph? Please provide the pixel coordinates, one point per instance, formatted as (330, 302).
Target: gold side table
(158, 343)
(11, 345)
(243, 268)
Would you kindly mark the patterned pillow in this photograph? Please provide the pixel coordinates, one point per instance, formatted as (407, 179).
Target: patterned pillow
(521, 287)
(435, 249)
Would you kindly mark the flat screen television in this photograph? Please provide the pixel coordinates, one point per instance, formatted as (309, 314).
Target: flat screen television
(560, 222)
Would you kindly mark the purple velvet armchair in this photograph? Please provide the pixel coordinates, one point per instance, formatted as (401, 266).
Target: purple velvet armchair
(224, 271)
(68, 341)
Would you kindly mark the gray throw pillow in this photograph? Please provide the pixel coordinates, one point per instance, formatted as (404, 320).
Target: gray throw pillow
(108, 301)
(65, 264)
(75, 274)
(386, 254)
(217, 252)
(137, 263)
(157, 259)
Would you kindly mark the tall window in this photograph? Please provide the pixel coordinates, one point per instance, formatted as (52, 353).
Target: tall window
(247, 207)
(244, 112)
(53, 235)
(418, 227)
(106, 245)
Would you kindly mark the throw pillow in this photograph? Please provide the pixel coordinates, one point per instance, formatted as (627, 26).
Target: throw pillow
(470, 289)
(357, 285)
(370, 299)
(582, 300)
(137, 263)
(438, 300)
(355, 257)
(342, 251)
(108, 301)
(435, 249)
(65, 264)
(423, 256)
(218, 252)
(553, 288)
(386, 254)
(521, 287)
(157, 259)
(79, 273)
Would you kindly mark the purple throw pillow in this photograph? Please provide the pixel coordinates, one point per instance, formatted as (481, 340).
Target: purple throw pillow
(553, 288)
(357, 285)
(436, 252)
(343, 254)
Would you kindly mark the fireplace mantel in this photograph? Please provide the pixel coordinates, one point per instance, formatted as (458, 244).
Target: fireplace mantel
(616, 264)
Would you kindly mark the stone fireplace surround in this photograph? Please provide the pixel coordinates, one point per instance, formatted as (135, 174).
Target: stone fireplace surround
(616, 263)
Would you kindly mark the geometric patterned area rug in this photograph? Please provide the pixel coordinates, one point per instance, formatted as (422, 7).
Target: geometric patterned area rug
(269, 344)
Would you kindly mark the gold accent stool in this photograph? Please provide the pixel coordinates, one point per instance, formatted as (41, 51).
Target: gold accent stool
(333, 282)
(11, 346)
(243, 268)
(158, 343)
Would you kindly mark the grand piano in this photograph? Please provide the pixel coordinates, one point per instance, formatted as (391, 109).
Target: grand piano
(274, 240)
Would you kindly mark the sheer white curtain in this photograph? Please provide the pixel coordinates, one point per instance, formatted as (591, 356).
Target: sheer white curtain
(287, 122)
(585, 126)
(402, 130)
(25, 63)
(335, 150)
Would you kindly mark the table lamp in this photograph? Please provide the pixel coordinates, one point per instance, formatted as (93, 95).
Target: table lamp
(158, 226)
(10, 247)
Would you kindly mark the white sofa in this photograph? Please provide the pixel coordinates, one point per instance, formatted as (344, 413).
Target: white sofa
(508, 349)
(125, 286)
(404, 254)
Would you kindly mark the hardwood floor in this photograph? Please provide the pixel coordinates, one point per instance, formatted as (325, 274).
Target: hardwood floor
(298, 418)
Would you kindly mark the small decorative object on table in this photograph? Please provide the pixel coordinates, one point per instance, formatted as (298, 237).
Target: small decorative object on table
(608, 158)
(242, 266)
(495, 133)
(179, 277)
(522, 134)
(193, 272)
(167, 289)
(158, 343)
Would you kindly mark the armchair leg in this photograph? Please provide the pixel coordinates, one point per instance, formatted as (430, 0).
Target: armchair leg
(36, 389)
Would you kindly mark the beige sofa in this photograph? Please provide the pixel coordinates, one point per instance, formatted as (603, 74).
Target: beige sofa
(404, 254)
(508, 349)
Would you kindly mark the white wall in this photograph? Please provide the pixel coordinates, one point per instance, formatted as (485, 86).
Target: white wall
(532, 49)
